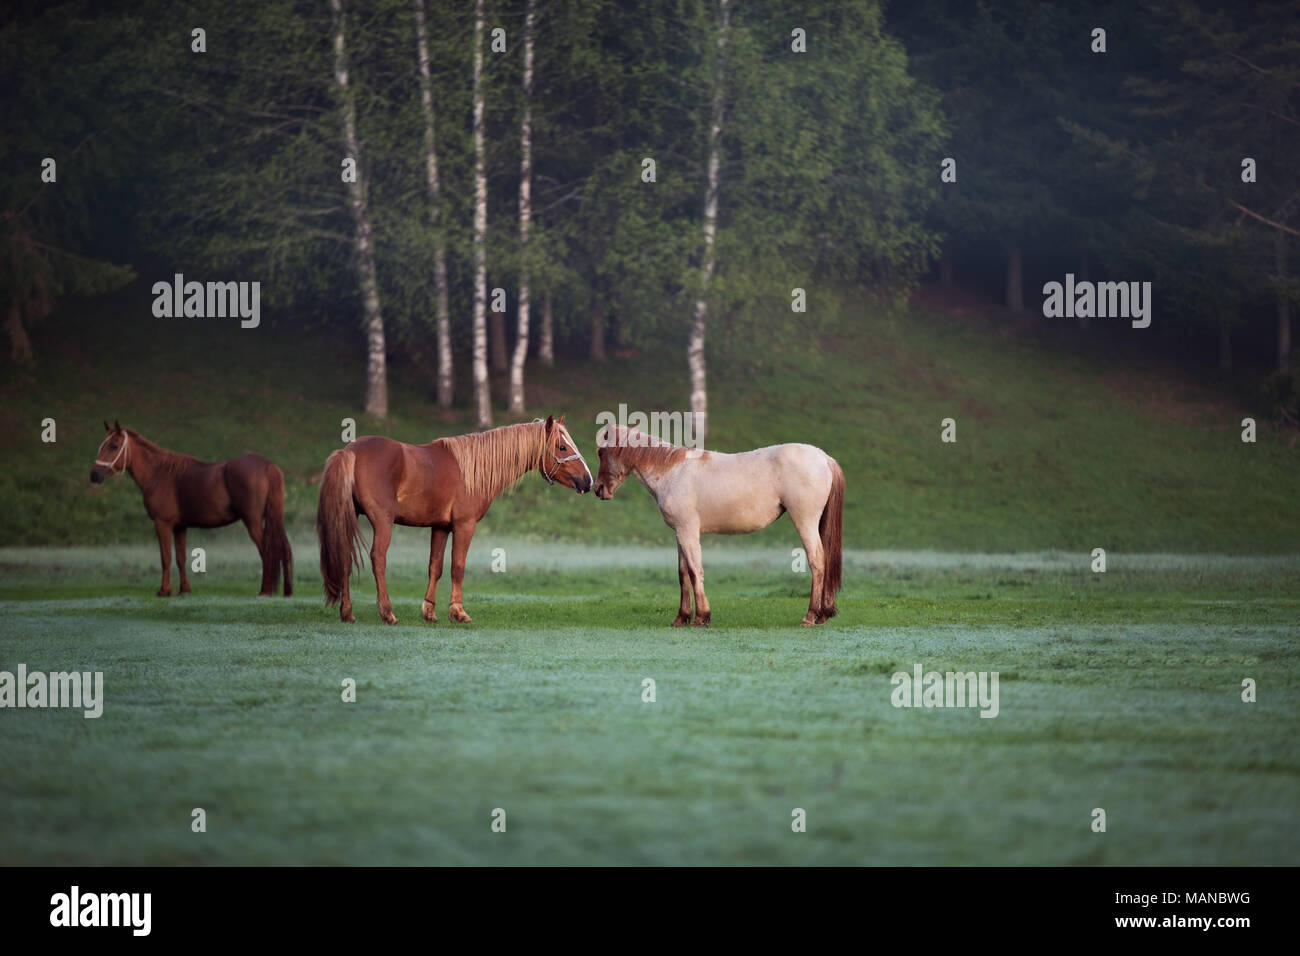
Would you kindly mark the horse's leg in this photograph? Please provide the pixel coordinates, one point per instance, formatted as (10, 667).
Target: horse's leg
(688, 540)
(253, 522)
(383, 525)
(345, 603)
(165, 549)
(684, 579)
(437, 549)
(181, 560)
(461, 536)
(812, 546)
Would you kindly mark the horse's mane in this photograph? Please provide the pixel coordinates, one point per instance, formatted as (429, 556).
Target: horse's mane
(646, 452)
(491, 460)
(162, 458)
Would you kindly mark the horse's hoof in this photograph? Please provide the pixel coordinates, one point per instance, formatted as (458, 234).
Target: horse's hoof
(809, 620)
(681, 620)
(266, 594)
(347, 618)
(388, 616)
(164, 593)
(457, 612)
(427, 612)
(185, 589)
(703, 620)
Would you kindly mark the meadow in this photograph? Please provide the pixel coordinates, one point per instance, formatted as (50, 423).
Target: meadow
(1119, 690)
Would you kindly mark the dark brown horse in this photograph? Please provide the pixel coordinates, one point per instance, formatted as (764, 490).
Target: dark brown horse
(181, 492)
(447, 485)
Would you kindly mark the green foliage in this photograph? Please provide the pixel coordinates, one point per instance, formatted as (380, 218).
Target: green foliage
(58, 67)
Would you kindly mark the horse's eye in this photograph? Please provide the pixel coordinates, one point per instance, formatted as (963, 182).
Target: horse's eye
(562, 448)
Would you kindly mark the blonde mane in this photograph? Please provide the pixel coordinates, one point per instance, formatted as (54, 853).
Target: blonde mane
(491, 460)
(638, 450)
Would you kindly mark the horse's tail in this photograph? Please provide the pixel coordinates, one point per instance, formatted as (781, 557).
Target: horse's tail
(275, 542)
(832, 533)
(336, 524)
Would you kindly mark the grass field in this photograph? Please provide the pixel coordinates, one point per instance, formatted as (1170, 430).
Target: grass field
(1120, 691)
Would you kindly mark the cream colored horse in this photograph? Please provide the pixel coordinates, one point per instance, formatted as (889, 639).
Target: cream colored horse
(709, 492)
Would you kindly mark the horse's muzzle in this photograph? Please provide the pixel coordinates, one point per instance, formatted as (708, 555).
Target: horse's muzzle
(96, 478)
(603, 493)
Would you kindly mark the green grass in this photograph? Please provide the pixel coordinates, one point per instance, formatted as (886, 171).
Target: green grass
(1057, 447)
(1119, 691)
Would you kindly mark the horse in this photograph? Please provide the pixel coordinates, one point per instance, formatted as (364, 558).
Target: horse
(447, 485)
(709, 492)
(181, 492)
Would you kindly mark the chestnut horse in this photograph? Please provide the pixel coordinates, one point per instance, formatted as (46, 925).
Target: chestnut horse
(447, 485)
(708, 492)
(181, 492)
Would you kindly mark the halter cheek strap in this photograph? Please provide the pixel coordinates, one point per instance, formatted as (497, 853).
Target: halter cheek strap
(112, 465)
(559, 463)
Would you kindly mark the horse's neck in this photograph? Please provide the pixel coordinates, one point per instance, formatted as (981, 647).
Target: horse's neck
(652, 478)
(145, 462)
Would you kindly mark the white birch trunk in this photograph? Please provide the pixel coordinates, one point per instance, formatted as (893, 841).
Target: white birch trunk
(525, 217)
(546, 344)
(482, 393)
(446, 377)
(376, 360)
(695, 348)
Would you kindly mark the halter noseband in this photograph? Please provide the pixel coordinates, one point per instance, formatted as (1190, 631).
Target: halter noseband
(559, 463)
(112, 465)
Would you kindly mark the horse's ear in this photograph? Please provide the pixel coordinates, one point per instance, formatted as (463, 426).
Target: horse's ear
(106, 428)
(116, 426)
(550, 423)
(562, 418)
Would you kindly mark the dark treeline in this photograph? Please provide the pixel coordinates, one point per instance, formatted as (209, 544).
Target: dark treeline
(650, 174)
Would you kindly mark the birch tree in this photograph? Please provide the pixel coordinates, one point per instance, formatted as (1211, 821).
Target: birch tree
(376, 357)
(546, 340)
(695, 348)
(446, 377)
(482, 393)
(525, 216)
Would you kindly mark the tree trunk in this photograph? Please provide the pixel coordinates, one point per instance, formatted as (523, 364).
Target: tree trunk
(482, 394)
(497, 336)
(945, 267)
(1283, 306)
(695, 348)
(1015, 278)
(1225, 346)
(377, 361)
(597, 331)
(525, 217)
(20, 343)
(546, 345)
(446, 378)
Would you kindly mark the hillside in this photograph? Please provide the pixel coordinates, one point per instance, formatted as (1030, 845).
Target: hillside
(1054, 450)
